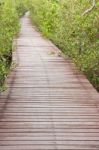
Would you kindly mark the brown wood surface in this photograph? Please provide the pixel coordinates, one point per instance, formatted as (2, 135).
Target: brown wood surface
(49, 104)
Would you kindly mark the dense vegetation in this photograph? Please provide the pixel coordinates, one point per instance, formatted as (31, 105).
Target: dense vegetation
(73, 29)
(21, 7)
(9, 27)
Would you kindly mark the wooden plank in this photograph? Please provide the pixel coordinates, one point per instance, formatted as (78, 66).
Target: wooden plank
(49, 104)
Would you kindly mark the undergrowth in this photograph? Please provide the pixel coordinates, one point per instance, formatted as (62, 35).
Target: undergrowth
(76, 33)
(9, 27)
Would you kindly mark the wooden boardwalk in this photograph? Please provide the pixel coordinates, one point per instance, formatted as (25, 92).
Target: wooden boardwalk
(49, 105)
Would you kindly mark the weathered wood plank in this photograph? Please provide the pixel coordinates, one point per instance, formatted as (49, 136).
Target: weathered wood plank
(49, 104)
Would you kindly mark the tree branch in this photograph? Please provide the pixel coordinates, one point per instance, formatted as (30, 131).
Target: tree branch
(90, 9)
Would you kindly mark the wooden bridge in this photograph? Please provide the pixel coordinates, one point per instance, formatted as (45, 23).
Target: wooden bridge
(49, 104)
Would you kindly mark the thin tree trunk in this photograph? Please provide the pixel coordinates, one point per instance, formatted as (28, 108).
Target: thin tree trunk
(90, 9)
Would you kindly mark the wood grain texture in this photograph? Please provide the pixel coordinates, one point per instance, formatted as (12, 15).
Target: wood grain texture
(49, 104)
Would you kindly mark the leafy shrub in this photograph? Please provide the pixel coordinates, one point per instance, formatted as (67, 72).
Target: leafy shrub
(21, 7)
(9, 26)
(76, 34)
(43, 14)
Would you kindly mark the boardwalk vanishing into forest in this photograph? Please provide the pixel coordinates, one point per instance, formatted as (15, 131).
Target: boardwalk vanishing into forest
(49, 104)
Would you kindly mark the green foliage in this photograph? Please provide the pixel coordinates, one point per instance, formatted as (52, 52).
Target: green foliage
(21, 7)
(76, 35)
(9, 27)
(44, 15)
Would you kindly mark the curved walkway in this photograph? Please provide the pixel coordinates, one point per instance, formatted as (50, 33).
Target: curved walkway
(49, 104)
